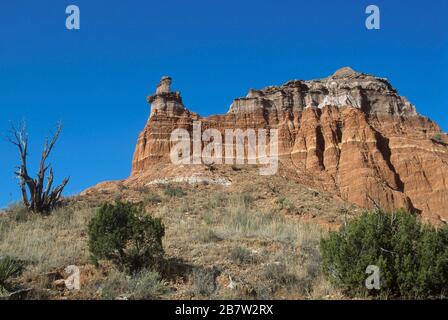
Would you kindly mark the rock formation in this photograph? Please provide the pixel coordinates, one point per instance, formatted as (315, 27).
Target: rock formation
(351, 134)
(345, 88)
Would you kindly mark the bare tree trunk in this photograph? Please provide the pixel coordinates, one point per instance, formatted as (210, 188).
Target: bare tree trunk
(35, 196)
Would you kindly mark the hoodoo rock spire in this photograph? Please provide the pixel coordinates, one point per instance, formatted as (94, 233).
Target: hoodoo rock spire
(166, 102)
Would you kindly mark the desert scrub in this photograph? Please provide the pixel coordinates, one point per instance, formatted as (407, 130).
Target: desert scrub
(279, 275)
(240, 220)
(9, 267)
(151, 197)
(286, 204)
(171, 191)
(412, 257)
(123, 234)
(236, 168)
(437, 137)
(217, 200)
(241, 255)
(204, 281)
(252, 224)
(16, 212)
(210, 218)
(144, 285)
(48, 243)
(295, 268)
(207, 235)
(244, 199)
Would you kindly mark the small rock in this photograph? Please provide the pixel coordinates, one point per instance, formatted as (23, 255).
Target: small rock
(232, 284)
(60, 284)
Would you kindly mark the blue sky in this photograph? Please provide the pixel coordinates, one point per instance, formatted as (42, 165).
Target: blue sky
(96, 79)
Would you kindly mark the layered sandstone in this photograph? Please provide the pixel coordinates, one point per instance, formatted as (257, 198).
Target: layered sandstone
(350, 133)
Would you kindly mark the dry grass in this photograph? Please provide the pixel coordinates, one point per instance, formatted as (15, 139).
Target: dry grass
(46, 243)
(262, 234)
(246, 238)
(146, 285)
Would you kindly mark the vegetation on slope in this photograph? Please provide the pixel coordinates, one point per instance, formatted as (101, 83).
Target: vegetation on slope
(253, 240)
(412, 257)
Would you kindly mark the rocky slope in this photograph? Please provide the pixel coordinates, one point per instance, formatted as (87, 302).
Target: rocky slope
(351, 134)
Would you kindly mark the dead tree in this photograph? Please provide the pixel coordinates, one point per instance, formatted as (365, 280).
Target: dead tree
(37, 196)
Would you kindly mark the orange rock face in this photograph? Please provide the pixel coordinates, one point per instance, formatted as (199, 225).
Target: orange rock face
(350, 133)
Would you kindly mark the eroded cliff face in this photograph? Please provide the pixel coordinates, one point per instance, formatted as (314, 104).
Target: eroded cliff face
(344, 88)
(351, 134)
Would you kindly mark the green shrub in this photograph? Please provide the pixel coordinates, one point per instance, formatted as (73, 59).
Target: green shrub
(217, 200)
(437, 137)
(241, 255)
(236, 168)
(285, 203)
(412, 257)
(174, 191)
(204, 281)
(207, 235)
(279, 276)
(210, 217)
(121, 233)
(17, 212)
(9, 267)
(152, 198)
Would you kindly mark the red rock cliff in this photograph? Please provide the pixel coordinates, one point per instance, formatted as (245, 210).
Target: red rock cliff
(350, 133)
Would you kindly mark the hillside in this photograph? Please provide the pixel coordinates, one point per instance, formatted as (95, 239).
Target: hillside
(257, 238)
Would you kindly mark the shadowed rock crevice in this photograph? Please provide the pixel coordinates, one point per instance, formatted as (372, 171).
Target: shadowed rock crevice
(320, 146)
(383, 147)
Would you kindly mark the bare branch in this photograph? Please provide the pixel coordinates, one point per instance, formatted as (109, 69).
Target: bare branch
(49, 183)
(49, 146)
(34, 196)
